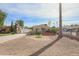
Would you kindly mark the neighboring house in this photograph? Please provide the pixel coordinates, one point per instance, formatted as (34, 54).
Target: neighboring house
(26, 30)
(72, 29)
(5, 29)
(40, 28)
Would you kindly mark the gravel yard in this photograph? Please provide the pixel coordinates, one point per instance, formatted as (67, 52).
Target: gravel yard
(28, 45)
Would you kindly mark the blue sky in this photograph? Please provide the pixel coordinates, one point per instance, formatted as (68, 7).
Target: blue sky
(40, 13)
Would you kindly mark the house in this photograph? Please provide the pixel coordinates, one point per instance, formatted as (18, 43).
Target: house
(40, 28)
(73, 29)
(5, 29)
(26, 30)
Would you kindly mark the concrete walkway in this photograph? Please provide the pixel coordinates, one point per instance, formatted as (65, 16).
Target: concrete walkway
(10, 37)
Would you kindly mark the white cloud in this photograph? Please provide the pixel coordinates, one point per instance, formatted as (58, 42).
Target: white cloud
(41, 10)
(70, 9)
(46, 10)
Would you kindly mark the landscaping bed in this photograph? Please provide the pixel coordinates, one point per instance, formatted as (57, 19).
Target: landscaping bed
(41, 37)
(48, 33)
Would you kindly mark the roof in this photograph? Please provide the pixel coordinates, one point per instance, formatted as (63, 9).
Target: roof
(5, 27)
(41, 25)
(71, 27)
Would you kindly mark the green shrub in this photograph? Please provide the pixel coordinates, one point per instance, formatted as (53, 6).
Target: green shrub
(54, 30)
(37, 33)
(38, 36)
(12, 32)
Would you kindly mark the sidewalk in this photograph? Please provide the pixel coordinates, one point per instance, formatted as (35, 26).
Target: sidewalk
(10, 37)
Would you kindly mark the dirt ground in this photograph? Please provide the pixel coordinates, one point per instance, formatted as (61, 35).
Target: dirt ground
(64, 47)
(28, 45)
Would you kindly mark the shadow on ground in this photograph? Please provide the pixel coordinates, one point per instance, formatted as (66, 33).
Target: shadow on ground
(45, 47)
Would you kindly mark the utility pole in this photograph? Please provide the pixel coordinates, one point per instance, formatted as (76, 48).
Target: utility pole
(60, 20)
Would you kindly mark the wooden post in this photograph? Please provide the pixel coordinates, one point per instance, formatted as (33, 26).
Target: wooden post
(60, 20)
